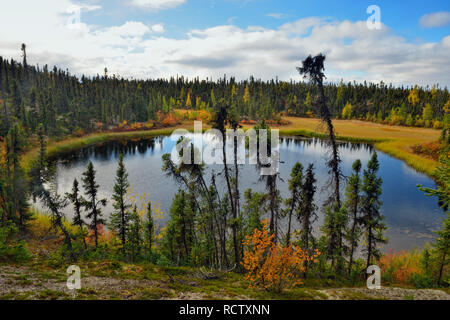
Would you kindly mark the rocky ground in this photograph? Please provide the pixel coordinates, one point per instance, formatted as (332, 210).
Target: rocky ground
(24, 282)
(386, 293)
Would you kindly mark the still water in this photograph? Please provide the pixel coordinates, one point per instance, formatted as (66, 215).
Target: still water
(410, 215)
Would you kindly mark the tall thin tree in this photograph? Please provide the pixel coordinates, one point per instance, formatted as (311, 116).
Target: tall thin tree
(77, 201)
(372, 219)
(93, 204)
(119, 218)
(353, 190)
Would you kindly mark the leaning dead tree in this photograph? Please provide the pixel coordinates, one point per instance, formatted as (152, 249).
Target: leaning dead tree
(312, 68)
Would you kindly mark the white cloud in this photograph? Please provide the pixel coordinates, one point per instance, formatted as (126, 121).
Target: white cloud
(436, 19)
(156, 5)
(142, 51)
(276, 15)
(129, 29)
(158, 28)
(82, 7)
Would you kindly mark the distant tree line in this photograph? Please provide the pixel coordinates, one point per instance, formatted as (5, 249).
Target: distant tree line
(64, 103)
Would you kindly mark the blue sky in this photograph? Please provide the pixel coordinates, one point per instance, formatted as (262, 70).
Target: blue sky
(401, 16)
(207, 38)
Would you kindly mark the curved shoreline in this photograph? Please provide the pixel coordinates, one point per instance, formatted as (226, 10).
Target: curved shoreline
(390, 146)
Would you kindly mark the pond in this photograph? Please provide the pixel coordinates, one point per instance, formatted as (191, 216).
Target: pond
(410, 215)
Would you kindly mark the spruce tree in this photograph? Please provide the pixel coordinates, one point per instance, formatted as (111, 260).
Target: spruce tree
(149, 228)
(295, 187)
(442, 242)
(334, 229)
(119, 218)
(306, 213)
(77, 201)
(179, 236)
(255, 207)
(372, 219)
(134, 234)
(92, 204)
(353, 190)
(55, 203)
(17, 183)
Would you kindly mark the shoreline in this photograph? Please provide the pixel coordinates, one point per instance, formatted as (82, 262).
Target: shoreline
(391, 146)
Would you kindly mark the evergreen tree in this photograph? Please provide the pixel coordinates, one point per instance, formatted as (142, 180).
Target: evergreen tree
(92, 204)
(18, 209)
(134, 234)
(334, 229)
(179, 236)
(55, 203)
(149, 228)
(253, 210)
(119, 218)
(77, 201)
(352, 204)
(306, 213)
(442, 242)
(295, 187)
(372, 219)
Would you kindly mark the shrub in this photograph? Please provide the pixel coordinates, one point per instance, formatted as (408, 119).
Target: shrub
(163, 261)
(400, 267)
(270, 265)
(422, 280)
(430, 149)
(11, 250)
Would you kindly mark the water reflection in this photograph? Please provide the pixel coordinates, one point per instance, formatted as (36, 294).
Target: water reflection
(410, 215)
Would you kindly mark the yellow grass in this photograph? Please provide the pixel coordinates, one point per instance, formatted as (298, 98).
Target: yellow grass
(393, 140)
(75, 143)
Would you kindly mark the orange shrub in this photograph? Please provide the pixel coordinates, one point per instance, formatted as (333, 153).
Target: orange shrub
(430, 149)
(136, 126)
(169, 119)
(103, 235)
(270, 265)
(248, 121)
(399, 267)
(79, 133)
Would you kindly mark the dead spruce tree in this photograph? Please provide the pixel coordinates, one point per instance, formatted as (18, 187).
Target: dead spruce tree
(220, 121)
(312, 68)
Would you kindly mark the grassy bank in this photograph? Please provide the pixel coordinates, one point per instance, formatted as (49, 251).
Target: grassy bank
(396, 141)
(393, 140)
(73, 144)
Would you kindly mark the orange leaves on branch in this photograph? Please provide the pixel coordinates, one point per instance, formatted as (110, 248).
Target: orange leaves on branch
(270, 265)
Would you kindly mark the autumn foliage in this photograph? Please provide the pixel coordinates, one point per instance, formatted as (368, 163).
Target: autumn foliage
(399, 267)
(270, 265)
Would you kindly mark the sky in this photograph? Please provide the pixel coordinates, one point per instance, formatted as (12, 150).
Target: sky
(409, 43)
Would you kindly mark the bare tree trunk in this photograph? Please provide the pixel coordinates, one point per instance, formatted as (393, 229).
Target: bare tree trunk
(334, 162)
(353, 245)
(369, 249)
(441, 268)
(288, 235)
(233, 209)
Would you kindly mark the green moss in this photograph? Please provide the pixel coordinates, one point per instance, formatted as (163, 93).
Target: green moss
(49, 294)
(155, 293)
